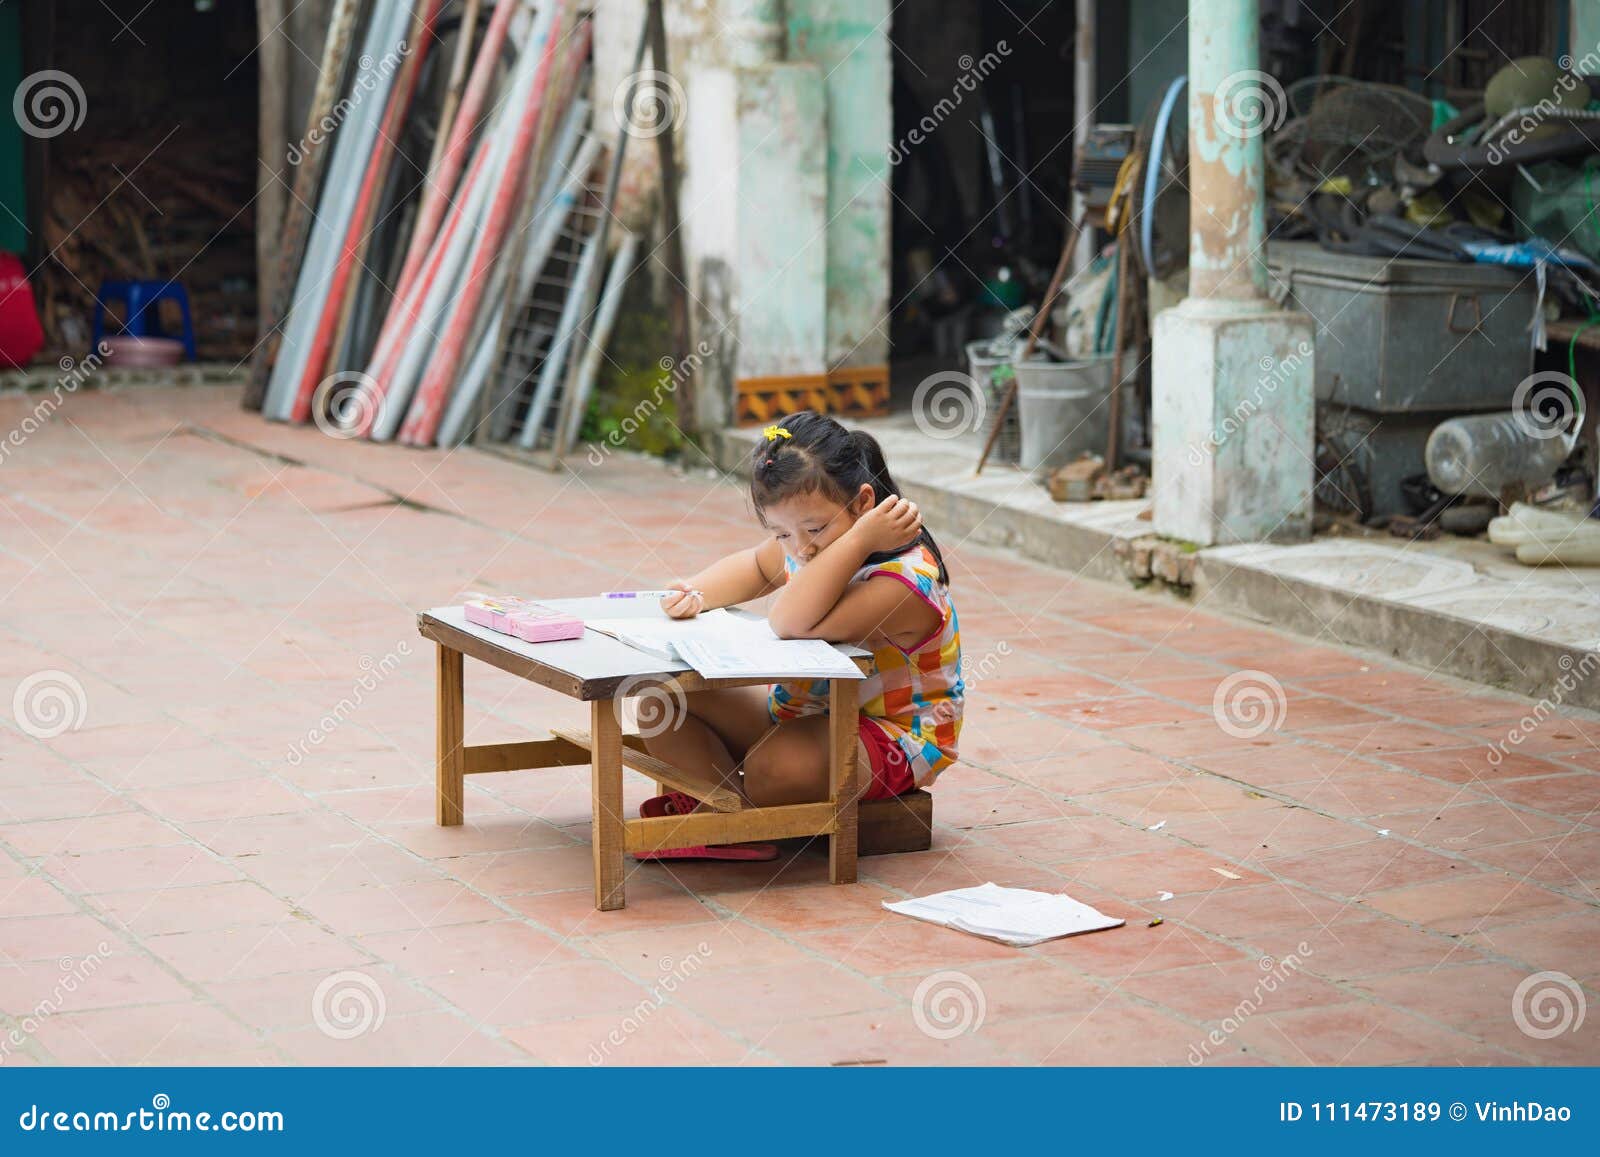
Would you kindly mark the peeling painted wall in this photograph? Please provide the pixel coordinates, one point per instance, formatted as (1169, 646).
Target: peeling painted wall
(813, 256)
(848, 40)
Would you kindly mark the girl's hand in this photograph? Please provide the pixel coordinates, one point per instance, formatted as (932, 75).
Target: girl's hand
(684, 602)
(893, 522)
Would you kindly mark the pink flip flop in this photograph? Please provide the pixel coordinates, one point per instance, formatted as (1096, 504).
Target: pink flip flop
(677, 804)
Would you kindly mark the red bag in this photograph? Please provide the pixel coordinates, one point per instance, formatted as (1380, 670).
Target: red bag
(21, 335)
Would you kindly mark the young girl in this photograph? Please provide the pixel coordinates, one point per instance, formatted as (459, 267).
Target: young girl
(852, 563)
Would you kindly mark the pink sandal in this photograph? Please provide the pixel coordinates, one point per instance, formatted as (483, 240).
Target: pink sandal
(677, 803)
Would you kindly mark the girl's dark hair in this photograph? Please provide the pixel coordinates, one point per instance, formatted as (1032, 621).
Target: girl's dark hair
(821, 456)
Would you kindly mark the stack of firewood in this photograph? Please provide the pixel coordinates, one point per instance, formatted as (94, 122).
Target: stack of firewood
(132, 206)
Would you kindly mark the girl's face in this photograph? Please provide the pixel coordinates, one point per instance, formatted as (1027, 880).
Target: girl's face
(808, 524)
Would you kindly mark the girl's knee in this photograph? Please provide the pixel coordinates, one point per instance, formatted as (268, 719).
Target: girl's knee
(791, 766)
(784, 768)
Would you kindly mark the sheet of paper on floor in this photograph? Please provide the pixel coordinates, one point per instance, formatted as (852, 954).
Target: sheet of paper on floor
(1016, 916)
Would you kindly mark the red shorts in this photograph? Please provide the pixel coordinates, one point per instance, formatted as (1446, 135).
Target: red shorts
(891, 771)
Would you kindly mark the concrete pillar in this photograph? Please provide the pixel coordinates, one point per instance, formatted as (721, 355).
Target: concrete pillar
(1232, 374)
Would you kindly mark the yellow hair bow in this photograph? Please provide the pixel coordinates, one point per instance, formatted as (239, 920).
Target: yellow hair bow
(773, 433)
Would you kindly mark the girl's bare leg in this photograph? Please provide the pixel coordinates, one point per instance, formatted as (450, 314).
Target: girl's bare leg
(789, 764)
(716, 730)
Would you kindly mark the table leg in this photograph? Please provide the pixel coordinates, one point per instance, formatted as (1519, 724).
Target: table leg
(843, 736)
(606, 828)
(452, 766)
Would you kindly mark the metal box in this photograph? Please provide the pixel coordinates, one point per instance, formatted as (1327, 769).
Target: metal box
(1396, 336)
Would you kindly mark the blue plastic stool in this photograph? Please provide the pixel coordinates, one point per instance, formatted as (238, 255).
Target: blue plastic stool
(142, 300)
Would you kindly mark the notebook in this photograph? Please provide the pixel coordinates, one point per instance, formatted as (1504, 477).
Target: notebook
(660, 635)
(716, 643)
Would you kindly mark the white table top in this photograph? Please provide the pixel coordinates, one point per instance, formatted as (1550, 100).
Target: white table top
(595, 657)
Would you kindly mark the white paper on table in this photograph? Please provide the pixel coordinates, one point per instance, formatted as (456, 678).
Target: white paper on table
(754, 652)
(659, 635)
(720, 645)
(1016, 916)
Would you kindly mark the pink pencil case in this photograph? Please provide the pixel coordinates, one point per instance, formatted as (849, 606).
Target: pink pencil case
(493, 611)
(536, 624)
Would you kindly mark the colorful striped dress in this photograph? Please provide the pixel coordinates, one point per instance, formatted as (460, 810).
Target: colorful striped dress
(914, 695)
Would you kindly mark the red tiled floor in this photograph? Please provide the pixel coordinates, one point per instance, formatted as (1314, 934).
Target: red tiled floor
(1138, 948)
(1560, 944)
(888, 1037)
(1481, 999)
(1071, 841)
(1357, 944)
(1114, 1031)
(152, 1035)
(1466, 827)
(236, 880)
(1176, 869)
(1473, 765)
(661, 1035)
(1245, 913)
(1356, 793)
(61, 938)
(1261, 834)
(1576, 796)
(1570, 862)
(287, 1000)
(1469, 903)
(897, 944)
(1210, 993)
(431, 1038)
(1353, 1033)
(1101, 769)
(1361, 869)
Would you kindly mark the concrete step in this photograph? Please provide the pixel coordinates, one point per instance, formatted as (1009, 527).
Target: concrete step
(1461, 607)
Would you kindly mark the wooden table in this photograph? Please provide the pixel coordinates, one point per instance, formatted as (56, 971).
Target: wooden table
(602, 672)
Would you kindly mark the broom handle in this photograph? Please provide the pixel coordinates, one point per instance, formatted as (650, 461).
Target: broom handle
(1034, 331)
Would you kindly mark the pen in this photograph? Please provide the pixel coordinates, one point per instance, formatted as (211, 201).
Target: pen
(650, 594)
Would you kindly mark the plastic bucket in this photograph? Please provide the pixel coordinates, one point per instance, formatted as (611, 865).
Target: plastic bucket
(1062, 411)
(981, 367)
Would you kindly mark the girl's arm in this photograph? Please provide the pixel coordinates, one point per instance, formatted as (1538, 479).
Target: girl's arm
(733, 579)
(819, 601)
